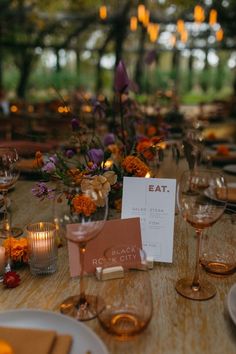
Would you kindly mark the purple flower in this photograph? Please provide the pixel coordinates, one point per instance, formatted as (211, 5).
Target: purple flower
(109, 139)
(122, 81)
(75, 124)
(42, 191)
(49, 167)
(70, 153)
(53, 159)
(96, 155)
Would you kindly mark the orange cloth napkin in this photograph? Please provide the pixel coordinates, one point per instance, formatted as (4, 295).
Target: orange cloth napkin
(231, 194)
(35, 341)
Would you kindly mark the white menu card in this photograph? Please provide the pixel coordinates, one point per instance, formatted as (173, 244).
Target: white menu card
(153, 200)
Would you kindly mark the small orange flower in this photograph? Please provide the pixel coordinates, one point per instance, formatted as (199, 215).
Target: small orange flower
(83, 205)
(144, 147)
(17, 249)
(151, 131)
(38, 161)
(135, 166)
(117, 204)
(222, 150)
(76, 175)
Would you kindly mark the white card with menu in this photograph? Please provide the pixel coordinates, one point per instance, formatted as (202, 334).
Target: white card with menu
(153, 201)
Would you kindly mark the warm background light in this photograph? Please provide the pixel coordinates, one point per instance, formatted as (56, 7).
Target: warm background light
(184, 36)
(141, 12)
(199, 15)
(133, 23)
(153, 31)
(103, 12)
(180, 26)
(219, 35)
(146, 18)
(213, 17)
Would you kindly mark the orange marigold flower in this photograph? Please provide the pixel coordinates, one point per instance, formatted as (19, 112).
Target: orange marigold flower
(17, 249)
(83, 205)
(135, 166)
(223, 150)
(76, 175)
(117, 204)
(145, 148)
(151, 130)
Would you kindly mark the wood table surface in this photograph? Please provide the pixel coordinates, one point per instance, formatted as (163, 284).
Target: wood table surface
(178, 325)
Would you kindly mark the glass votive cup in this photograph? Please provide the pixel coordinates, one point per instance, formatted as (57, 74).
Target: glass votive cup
(42, 248)
(125, 302)
(218, 250)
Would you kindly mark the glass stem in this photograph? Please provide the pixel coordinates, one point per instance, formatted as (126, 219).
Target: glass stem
(7, 229)
(6, 216)
(82, 249)
(196, 279)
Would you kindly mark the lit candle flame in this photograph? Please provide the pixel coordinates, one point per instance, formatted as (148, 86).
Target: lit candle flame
(148, 175)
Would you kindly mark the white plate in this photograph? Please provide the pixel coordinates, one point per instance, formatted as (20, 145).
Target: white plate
(84, 339)
(230, 169)
(231, 303)
(210, 194)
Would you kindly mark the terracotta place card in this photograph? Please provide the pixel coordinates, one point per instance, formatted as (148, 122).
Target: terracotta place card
(153, 200)
(114, 233)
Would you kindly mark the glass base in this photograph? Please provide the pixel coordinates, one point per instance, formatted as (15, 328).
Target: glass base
(15, 232)
(206, 291)
(124, 324)
(218, 267)
(82, 309)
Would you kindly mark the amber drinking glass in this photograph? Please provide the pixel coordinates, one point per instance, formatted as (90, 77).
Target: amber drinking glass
(218, 251)
(202, 198)
(83, 306)
(125, 303)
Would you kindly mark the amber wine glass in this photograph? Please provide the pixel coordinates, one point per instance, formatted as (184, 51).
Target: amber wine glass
(83, 306)
(9, 174)
(202, 199)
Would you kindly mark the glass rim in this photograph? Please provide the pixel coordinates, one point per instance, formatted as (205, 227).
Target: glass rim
(41, 226)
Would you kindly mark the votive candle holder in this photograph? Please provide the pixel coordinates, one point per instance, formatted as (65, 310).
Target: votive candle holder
(42, 248)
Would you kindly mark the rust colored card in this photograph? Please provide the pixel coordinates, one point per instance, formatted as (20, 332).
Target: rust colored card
(115, 232)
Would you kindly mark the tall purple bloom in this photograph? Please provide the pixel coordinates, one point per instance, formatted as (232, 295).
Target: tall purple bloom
(75, 124)
(122, 81)
(49, 167)
(70, 153)
(96, 156)
(109, 139)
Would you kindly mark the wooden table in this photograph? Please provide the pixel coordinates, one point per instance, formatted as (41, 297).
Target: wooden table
(178, 325)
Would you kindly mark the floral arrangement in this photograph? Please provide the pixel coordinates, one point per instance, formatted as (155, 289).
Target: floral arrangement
(99, 166)
(17, 249)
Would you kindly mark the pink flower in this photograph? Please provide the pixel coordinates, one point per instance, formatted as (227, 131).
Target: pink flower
(122, 81)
